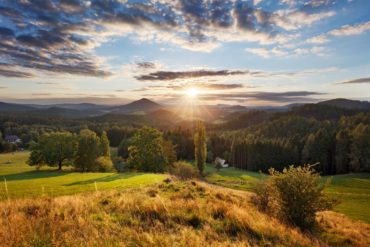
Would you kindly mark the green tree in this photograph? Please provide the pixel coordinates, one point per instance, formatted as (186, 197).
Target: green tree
(104, 145)
(54, 150)
(88, 150)
(342, 151)
(200, 145)
(169, 152)
(122, 150)
(145, 152)
(360, 148)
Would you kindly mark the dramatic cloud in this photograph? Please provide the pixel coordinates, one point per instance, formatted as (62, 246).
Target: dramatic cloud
(174, 75)
(10, 70)
(182, 87)
(256, 97)
(281, 97)
(356, 81)
(60, 36)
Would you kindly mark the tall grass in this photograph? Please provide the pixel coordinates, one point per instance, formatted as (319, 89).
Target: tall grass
(168, 214)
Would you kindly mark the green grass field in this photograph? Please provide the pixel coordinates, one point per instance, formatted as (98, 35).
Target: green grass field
(353, 190)
(25, 181)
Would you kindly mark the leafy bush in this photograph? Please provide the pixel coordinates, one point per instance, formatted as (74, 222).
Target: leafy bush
(184, 170)
(103, 164)
(295, 195)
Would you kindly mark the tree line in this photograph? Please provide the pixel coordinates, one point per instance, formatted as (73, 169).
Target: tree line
(85, 151)
(337, 146)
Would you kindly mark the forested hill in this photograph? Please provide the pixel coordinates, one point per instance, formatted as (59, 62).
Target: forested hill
(335, 136)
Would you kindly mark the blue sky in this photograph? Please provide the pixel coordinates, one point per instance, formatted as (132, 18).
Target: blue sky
(260, 52)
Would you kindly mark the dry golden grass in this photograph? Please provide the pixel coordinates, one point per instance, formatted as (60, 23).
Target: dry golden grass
(169, 214)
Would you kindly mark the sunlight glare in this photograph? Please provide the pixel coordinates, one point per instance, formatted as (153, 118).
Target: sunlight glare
(192, 92)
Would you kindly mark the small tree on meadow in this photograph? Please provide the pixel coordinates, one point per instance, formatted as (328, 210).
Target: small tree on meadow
(296, 194)
(54, 149)
(200, 145)
(88, 150)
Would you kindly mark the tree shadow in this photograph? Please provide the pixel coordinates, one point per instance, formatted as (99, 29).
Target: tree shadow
(34, 175)
(106, 179)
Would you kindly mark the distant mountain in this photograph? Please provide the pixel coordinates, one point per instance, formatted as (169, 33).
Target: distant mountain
(8, 107)
(347, 104)
(83, 106)
(142, 105)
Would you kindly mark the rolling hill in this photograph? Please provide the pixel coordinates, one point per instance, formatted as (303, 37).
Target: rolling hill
(144, 105)
(347, 104)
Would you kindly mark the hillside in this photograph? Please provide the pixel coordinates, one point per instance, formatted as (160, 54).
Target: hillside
(9, 107)
(347, 104)
(143, 104)
(185, 214)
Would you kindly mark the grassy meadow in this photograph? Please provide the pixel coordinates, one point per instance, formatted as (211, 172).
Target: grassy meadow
(353, 190)
(25, 181)
(189, 213)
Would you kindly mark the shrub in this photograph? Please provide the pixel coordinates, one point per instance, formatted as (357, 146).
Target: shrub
(184, 170)
(296, 195)
(103, 164)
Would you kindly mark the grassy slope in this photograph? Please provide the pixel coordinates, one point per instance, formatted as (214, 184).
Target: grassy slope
(353, 190)
(24, 181)
(167, 214)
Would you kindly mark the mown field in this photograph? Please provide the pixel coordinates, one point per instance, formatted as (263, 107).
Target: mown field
(353, 190)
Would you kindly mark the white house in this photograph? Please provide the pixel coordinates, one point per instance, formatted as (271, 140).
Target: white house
(222, 162)
(13, 139)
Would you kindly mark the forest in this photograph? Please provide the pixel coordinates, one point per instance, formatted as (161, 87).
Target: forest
(336, 139)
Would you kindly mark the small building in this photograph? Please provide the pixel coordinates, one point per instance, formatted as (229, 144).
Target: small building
(222, 162)
(13, 139)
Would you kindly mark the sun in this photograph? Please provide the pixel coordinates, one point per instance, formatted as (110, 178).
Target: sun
(192, 92)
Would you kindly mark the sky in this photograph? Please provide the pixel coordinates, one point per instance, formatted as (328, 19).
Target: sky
(255, 52)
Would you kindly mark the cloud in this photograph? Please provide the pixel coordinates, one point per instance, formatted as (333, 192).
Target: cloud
(47, 83)
(10, 70)
(60, 36)
(266, 97)
(182, 87)
(191, 75)
(356, 81)
(346, 30)
(316, 50)
(292, 20)
(266, 53)
(257, 97)
(146, 65)
(42, 94)
(174, 75)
